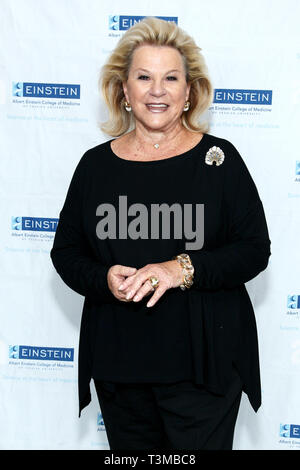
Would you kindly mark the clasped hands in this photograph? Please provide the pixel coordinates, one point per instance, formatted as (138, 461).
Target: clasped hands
(131, 284)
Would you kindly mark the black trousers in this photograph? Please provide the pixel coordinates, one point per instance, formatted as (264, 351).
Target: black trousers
(179, 416)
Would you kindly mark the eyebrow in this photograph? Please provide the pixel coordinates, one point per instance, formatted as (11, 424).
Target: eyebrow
(145, 70)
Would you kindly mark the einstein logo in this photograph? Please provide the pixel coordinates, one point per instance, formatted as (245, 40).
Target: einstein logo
(124, 22)
(114, 22)
(41, 353)
(36, 224)
(240, 96)
(16, 223)
(13, 352)
(290, 431)
(293, 301)
(46, 90)
(17, 89)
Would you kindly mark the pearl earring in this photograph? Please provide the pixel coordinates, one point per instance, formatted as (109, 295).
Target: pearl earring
(186, 106)
(127, 106)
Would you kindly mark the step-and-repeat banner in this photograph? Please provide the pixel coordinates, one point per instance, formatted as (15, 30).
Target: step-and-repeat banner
(51, 53)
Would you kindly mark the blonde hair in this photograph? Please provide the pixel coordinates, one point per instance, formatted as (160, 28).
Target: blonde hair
(158, 32)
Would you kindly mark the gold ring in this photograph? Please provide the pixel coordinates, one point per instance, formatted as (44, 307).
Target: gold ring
(154, 282)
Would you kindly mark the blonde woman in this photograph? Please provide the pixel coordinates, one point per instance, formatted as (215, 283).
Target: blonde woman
(161, 228)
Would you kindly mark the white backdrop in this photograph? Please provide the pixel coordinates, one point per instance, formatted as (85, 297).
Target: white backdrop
(250, 45)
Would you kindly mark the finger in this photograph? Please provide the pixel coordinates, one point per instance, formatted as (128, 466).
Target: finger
(125, 271)
(132, 285)
(139, 276)
(146, 289)
(123, 295)
(126, 283)
(141, 285)
(157, 294)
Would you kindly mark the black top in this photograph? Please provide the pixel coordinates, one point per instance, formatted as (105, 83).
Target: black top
(196, 334)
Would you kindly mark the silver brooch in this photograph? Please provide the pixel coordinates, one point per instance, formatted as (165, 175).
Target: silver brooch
(215, 154)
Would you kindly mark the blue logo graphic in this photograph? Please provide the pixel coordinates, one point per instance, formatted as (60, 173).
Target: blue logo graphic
(293, 301)
(46, 90)
(290, 430)
(41, 353)
(122, 23)
(297, 167)
(100, 421)
(13, 352)
(257, 97)
(17, 89)
(37, 224)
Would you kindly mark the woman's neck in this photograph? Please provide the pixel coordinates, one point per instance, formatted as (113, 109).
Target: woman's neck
(149, 137)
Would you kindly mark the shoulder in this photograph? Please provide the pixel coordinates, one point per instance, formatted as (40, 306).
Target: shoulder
(237, 177)
(96, 153)
(92, 162)
(233, 160)
(94, 157)
(223, 144)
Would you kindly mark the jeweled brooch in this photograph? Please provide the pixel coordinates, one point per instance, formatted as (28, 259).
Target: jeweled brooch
(215, 154)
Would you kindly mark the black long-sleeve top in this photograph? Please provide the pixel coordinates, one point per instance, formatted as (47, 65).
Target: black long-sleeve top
(108, 218)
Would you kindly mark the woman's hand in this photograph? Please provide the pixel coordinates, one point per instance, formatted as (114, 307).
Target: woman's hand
(117, 275)
(137, 285)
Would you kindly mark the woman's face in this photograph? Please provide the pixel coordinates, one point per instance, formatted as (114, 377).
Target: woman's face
(156, 87)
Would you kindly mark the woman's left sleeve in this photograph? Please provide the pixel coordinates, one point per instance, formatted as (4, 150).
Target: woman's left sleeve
(247, 250)
(71, 253)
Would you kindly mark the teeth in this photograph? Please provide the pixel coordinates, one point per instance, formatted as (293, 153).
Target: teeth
(157, 105)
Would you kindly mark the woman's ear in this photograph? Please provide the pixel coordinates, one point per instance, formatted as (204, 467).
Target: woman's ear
(124, 85)
(188, 91)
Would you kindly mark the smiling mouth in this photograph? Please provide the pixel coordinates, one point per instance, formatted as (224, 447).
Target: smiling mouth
(157, 107)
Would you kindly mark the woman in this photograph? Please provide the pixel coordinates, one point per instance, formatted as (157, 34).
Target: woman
(168, 330)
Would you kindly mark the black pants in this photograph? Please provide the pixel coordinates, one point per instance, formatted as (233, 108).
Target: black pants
(179, 416)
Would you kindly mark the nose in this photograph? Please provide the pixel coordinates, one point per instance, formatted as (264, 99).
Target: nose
(157, 88)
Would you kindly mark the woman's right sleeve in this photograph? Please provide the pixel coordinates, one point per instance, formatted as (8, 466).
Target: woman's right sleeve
(71, 254)
(247, 250)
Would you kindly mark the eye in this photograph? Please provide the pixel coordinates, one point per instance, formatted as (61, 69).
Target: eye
(143, 77)
(171, 77)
